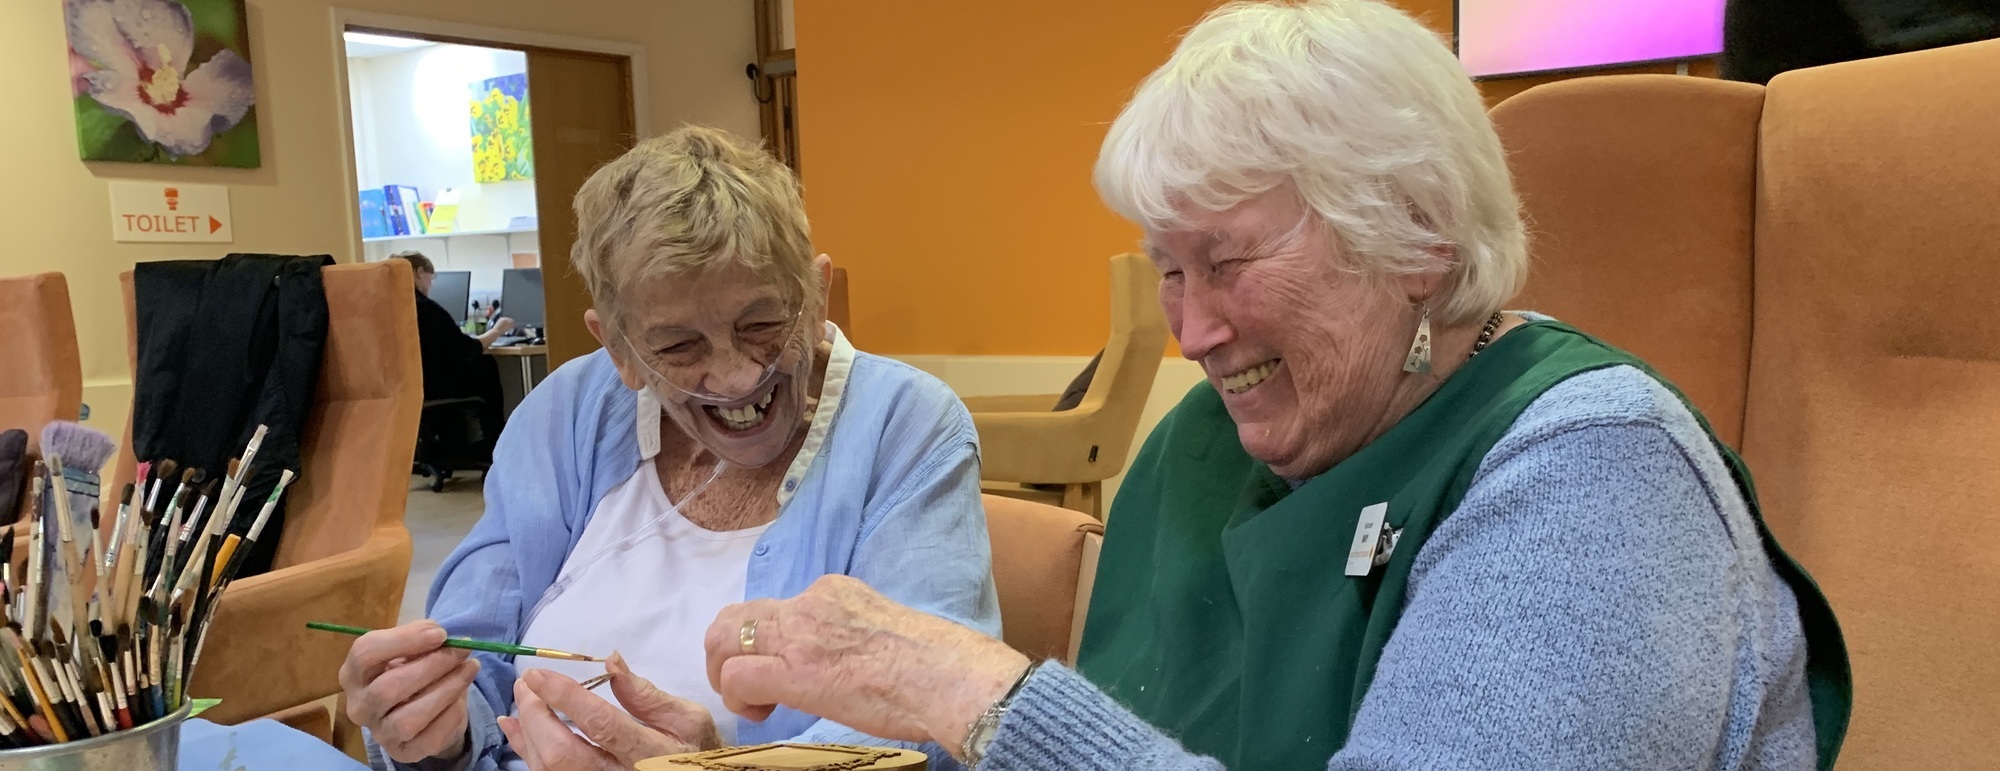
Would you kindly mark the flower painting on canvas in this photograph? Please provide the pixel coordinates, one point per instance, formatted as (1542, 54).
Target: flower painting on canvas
(162, 81)
(501, 146)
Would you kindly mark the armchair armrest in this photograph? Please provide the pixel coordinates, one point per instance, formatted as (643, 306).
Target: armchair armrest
(1047, 447)
(260, 658)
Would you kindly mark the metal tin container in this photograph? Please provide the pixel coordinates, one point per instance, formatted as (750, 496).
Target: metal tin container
(154, 746)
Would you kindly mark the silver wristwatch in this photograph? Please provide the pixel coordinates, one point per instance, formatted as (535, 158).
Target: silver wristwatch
(980, 733)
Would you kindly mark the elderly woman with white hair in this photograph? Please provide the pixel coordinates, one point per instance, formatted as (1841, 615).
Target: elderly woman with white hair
(727, 443)
(1398, 528)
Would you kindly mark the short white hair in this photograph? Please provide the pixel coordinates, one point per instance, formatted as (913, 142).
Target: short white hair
(1367, 113)
(695, 199)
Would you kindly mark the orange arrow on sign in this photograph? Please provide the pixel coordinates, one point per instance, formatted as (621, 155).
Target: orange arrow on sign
(214, 225)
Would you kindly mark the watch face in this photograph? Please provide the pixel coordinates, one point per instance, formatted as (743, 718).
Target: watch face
(981, 736)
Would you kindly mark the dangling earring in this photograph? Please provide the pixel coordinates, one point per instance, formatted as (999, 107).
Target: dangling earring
(1419, 360)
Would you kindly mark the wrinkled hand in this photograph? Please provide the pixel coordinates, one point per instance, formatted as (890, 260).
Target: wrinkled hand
(659, 724)
(844, 652)
(409, 691)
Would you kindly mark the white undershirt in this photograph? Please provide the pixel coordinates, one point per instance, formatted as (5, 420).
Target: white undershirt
(652, 598)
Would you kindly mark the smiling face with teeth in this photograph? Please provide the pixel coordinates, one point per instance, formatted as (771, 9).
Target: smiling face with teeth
(1306, 353)
(729, 354)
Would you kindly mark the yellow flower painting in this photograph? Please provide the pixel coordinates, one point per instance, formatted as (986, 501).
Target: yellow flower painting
(502, 147)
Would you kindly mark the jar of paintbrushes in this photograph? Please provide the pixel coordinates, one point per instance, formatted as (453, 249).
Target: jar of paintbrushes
(106, 615)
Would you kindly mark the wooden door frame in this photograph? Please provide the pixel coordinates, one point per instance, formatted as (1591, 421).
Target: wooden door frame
(775, 70)
(459, 34)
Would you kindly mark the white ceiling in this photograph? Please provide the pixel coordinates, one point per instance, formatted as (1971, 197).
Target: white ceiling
(359, 47)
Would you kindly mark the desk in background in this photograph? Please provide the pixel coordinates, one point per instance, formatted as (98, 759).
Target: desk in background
(522, 367)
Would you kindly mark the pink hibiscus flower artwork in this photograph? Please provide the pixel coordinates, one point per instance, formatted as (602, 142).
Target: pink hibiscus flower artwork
(162, 81)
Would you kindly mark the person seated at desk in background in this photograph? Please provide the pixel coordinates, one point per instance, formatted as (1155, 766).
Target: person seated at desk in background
(433, 320)
(1397, 528)
(455, 364)
(726, 443)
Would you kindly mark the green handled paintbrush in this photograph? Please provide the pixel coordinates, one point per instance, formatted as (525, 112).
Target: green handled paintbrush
(475, 645)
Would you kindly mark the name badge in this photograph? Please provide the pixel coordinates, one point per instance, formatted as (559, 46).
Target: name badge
(1367, 533)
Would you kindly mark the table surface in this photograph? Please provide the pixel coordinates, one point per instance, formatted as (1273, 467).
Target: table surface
(519, 350)
(259, 745)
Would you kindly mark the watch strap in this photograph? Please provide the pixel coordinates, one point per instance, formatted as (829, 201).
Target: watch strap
(980, 732)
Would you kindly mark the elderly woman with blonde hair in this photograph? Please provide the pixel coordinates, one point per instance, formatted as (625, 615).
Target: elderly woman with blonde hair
(1398, 527)
(727, 443)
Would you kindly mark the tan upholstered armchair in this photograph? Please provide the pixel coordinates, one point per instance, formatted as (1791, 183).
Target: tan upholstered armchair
(41, 377)
(1642, 194)
(1044, 563)
(837, 310)
(344, 555)
(1026, 446)
(1863, 381)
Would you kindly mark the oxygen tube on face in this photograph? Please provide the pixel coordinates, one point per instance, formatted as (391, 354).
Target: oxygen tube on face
(748, 426)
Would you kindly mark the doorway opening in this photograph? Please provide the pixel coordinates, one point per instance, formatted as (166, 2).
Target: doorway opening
(444, 162)
(468, 145)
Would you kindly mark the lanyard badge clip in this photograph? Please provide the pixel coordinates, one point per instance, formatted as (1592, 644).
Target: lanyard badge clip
(1374, 540)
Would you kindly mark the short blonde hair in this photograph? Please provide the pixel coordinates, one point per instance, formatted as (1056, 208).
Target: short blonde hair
(695, 199)
(1369, 116)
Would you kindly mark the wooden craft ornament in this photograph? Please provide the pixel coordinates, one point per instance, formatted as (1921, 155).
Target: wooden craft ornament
(788, 756)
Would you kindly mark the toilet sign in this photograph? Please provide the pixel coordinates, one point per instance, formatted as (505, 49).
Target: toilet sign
(170, 212)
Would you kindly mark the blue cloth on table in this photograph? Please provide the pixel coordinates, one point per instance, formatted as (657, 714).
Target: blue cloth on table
(256, 746)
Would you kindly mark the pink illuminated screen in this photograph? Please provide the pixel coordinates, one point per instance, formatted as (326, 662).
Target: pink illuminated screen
(1500, 37)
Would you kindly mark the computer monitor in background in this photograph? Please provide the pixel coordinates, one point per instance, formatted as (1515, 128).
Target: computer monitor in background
(453, 290)
(521, 296)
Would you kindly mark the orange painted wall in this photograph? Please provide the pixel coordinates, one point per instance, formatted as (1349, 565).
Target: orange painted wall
(947, 150)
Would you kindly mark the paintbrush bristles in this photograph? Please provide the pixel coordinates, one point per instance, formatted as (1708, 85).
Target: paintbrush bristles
(78, 660)
(82, 448)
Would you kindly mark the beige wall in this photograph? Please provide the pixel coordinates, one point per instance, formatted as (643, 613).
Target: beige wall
(55, 208)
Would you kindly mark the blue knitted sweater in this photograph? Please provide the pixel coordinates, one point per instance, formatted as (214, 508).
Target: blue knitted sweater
(1599, 600)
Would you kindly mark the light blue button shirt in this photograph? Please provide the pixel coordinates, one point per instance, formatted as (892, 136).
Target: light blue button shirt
(891, 498)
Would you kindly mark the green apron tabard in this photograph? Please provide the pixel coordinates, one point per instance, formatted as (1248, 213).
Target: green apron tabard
(1222, 612)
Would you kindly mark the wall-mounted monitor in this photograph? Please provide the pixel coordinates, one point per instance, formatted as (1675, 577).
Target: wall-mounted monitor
(1519, 37)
